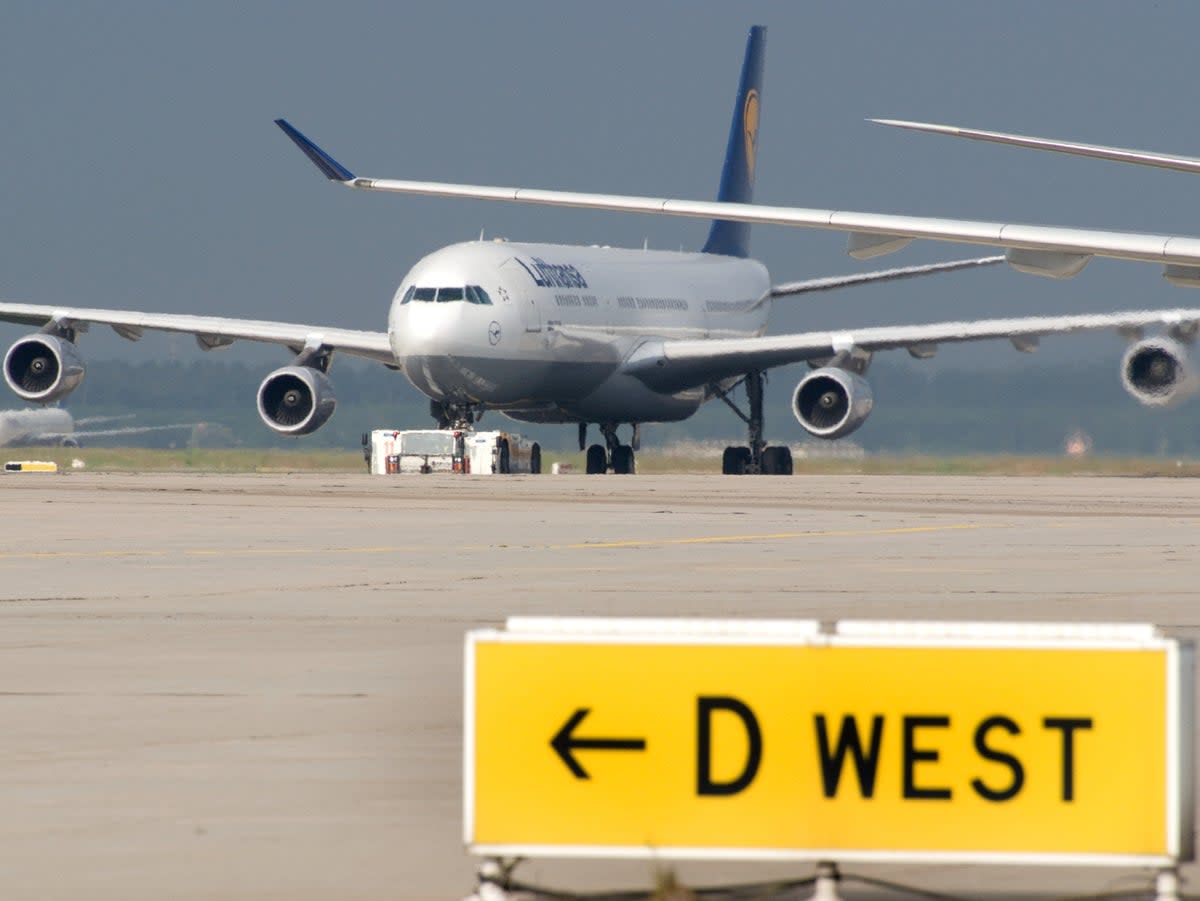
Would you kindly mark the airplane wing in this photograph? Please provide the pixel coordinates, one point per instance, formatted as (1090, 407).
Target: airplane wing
(210, 331)
(885, 275)
(1096, 151)
(677, 364)
(112, 433)
(1052, 251)
(96, 420)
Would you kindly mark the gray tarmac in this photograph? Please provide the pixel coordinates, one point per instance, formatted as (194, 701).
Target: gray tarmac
(250, 686)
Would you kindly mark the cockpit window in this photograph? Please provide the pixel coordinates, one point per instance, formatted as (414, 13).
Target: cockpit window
(476, 294)
(471, 294)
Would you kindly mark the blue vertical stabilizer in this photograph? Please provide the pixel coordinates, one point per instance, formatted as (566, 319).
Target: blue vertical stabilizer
(737, 178)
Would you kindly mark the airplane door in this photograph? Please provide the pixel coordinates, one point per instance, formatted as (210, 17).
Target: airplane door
(531, 314)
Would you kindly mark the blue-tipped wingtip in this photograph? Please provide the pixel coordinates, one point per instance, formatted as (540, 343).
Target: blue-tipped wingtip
(333, 170)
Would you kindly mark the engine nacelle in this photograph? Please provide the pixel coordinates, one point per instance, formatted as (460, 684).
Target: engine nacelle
(832, 402)
(295, 400)
(43, 368)
(1156, 371)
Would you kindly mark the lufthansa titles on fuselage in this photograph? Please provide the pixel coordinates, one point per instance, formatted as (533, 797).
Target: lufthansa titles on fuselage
(552, 275)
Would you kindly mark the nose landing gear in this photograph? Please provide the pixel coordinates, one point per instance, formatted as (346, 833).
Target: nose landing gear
(451, 415)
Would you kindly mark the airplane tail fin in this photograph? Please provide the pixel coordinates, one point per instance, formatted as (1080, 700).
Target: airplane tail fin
(737, 177)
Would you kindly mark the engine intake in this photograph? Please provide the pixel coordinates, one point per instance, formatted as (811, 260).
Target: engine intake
(43, 368)
(296, 400)
(1156, 371)
(832, 402)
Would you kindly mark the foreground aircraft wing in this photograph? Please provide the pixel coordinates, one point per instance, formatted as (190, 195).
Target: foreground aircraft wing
(210, 331)
(671, 364)
(1054, 251)
(1096, 151)
(885, 275)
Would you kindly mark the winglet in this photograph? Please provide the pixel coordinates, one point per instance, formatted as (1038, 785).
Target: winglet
(333, 170)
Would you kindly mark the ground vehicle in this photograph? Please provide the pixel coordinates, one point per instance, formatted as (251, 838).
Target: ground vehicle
(393, 451)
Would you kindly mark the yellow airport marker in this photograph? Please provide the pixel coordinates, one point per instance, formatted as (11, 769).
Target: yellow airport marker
(780, 740)
(30, 466)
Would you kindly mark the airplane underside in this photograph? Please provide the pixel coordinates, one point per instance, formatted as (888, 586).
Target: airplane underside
(566, 392)
(555, 391)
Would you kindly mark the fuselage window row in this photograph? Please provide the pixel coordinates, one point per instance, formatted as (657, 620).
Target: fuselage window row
(728, 306)
(652, 303)
(576, 300)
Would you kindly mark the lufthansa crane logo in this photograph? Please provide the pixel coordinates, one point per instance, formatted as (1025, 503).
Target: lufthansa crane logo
(750, 128)
(494, 332)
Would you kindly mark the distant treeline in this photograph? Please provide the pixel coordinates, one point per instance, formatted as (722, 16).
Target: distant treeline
(919, 408)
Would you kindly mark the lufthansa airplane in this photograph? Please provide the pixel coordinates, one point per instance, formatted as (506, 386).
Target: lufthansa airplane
(567, 334)
(45, 426)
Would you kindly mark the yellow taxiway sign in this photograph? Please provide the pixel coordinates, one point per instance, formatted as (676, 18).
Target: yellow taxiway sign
(792, 742)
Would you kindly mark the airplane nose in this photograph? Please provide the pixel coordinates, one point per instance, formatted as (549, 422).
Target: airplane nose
(450, 320)
(425, 327)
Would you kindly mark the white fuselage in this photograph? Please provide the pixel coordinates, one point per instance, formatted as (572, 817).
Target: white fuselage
(545, 338)
(48, 425)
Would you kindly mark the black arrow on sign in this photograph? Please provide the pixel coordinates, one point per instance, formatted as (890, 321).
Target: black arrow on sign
(564, 742)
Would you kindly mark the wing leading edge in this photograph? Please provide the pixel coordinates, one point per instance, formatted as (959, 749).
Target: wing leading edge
(829, 283)
(1073, 148)
(115, 433)
(210, 331)
(1053, 251)
(672, 365)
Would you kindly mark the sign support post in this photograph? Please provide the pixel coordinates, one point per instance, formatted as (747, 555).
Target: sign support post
(826, 886)
(1166, 885)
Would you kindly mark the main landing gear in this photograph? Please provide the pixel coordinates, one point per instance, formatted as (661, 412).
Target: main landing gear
(757, 457)
(612, 455)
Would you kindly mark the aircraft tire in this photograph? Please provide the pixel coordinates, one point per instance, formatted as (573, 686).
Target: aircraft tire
(535, 459)
(623, 460)
(504, 458)
(785, 460)
(777, 461)
(727, 462)
(597, 460)
(734, 460)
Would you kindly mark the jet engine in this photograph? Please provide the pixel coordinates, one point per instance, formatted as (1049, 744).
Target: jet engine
(295, 400)
(1156, 371)
(43, 368)
(832, 402)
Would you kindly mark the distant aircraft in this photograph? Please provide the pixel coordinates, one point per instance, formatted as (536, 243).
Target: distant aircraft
(570, 334)
(54, 425)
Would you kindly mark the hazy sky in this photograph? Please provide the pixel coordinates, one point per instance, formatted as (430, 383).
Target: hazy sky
(139, 166)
